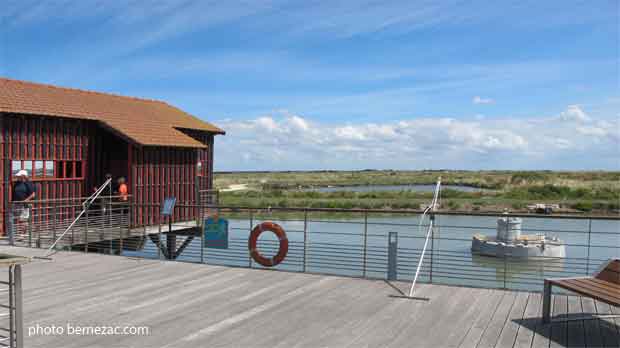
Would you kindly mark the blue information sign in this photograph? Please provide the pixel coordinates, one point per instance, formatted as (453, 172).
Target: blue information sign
(216, 233)
(168, 207)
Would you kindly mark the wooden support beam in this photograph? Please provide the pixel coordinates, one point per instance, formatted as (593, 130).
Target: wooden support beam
(186, 242)
(155, 239)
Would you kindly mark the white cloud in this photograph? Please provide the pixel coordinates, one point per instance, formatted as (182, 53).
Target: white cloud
(299, 123)
(574, 113)
(295, 142)
(266, 123)
(480, 100)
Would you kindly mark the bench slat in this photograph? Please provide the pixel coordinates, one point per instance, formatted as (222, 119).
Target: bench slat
(584, 286)
(600, 286)
(607, 285)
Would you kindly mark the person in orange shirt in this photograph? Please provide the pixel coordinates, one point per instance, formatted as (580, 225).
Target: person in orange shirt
(123, 191)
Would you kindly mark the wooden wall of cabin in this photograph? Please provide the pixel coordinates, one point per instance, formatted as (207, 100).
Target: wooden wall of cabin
(53, 150)
(161, 172)
(205, 156)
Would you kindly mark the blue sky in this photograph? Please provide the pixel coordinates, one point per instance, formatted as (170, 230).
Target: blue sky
(348, 84)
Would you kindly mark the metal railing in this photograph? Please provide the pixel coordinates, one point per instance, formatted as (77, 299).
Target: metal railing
(41, 224)
(11, 318)
(378, 244)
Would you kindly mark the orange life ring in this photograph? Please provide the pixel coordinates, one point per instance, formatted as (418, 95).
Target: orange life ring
(282, 251)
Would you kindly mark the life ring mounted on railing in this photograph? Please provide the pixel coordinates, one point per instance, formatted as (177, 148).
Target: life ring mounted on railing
(253, 240)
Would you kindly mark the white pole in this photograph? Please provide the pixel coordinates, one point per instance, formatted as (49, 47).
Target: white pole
(428, 234)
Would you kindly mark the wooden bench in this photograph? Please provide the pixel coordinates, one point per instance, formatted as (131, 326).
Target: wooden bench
(604, 286)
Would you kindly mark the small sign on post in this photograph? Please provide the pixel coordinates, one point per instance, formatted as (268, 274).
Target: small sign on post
(168, 207)
(216, 232)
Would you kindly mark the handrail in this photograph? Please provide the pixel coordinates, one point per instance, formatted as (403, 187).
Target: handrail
(77, 199)
(411, 211)
(85, 205)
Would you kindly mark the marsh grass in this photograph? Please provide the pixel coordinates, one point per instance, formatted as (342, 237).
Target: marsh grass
(577, 191)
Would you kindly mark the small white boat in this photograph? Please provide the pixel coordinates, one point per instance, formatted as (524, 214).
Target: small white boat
(510, 242)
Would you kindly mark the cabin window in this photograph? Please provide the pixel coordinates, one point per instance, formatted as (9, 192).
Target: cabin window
(28, 166)
(78, 169)
(36, 169)
(69, 169)
(16, 166)
(49, 169)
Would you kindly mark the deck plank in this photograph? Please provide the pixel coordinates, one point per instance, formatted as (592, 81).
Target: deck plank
(525, 336)
(336, 315)
(492, 332)
(463, 325)
(558, 328)
(542, 334)
(616, 311)
(592, 331)
(413, 320)
(343, 323)
(485, 316)
(609, 330)
(575, 335)
(509, 332)
(450, 316)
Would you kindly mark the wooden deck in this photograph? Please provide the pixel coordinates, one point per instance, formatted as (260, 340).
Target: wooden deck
(193, 305)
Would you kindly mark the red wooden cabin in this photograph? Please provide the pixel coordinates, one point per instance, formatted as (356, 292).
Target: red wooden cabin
(69, 139)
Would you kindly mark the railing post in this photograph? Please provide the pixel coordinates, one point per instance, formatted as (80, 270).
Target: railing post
(305, 238)
(11, 304)
(589, 239)
(18, 303)
(10, 215)
(392, 267)
(432, 247)
(29, 224)
(251, 227)
(202, 203)
(124, 216)
(38, 230)
(201, 230)
(111, 228)
(53, 210)
(159, 236)
(86, 231)
(505, 268)
(365, 242)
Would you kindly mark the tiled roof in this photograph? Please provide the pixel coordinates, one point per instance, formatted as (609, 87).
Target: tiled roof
(146, 122)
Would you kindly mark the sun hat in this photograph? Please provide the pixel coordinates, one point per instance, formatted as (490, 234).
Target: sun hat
(22, 173)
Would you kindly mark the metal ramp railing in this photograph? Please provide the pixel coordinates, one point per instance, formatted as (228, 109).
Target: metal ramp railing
(85, 207)
(70, 223)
